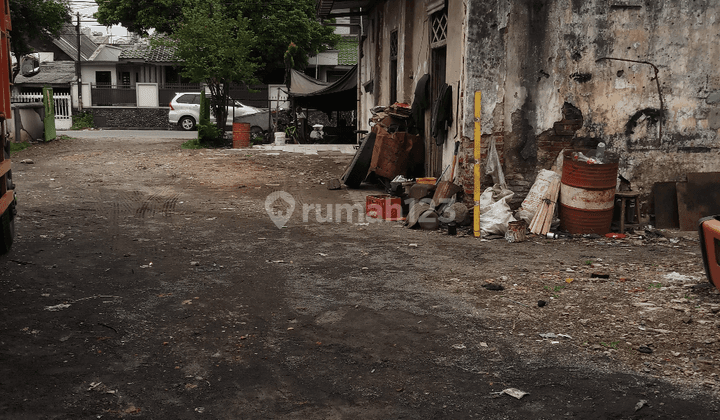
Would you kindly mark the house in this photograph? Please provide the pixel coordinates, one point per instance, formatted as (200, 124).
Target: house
(554, 74)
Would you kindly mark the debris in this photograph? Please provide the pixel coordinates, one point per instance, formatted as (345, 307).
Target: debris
(27, 161)
(640, 404)
(195, 263)
(540, 224)
(615, 235)
(483, 344)
(459, 346)
(516, 231)
(493, 287)
(413, 245)
(57, 307)
(599, 276)
(514, 392)
(541, 303)
(569, 280)
(321, 254)
(534, 199)
(645, 349)
(675, 276)
(333, 184)
(548, 335)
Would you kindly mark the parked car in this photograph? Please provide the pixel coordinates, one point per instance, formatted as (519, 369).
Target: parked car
(185, 112)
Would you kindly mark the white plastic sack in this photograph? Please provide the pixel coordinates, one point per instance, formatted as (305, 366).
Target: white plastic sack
(495, 213)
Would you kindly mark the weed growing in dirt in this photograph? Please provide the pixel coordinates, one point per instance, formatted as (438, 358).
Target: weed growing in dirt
(588, 262)
(82, 120)
(16, 147)
(654, 286)
(610, 345)
(192, 144)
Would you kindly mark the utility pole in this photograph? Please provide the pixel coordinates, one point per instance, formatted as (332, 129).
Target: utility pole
(78, 73)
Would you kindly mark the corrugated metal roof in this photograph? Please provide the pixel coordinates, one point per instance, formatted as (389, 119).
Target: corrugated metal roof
(67, 41)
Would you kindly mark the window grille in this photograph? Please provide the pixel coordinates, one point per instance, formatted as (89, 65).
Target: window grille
(438, 37)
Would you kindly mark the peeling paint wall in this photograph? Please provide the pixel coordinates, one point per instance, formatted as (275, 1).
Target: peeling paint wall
(410, 18)
(571, 73)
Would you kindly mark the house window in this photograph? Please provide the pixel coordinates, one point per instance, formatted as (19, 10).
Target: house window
(438, 37)
(103, 78)
(393, 66)
(126, 78)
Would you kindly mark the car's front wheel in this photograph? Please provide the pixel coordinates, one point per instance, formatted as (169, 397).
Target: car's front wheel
(187, 123)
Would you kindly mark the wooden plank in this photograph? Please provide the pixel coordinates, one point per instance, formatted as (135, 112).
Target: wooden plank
(5, 201)
(4, 167)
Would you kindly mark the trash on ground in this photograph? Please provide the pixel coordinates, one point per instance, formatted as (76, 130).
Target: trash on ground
(514, 392)
(57, 307)
(641, 404)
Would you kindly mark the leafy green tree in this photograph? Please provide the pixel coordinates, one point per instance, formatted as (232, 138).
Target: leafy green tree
(275, 24)
(140, 16)
(214, 44)
(33, 19)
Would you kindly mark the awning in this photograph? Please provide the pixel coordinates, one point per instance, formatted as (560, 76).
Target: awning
(312, 93)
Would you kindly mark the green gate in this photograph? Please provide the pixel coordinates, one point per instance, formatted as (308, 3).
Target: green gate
(49, 119)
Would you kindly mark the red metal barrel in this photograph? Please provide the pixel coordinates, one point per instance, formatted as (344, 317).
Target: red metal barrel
(587, 196)
(241, 135)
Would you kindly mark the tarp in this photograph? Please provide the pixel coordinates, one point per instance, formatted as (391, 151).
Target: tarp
(311, 93)
(302, 84)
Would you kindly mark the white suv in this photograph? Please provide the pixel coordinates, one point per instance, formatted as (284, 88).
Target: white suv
(185, 112)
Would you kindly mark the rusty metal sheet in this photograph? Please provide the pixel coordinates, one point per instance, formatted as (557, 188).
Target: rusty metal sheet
(698, 198)
(666, 205)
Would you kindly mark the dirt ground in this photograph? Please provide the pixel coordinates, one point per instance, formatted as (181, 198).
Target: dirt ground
(147, 281)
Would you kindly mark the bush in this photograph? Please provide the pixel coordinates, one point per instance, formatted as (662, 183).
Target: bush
(82, 120)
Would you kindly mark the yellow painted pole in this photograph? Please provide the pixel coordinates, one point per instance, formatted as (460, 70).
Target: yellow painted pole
(476, 166)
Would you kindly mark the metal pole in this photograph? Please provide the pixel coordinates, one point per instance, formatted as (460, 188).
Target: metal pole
(78, 73)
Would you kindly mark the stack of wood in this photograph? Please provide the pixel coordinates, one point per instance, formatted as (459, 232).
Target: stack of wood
(540, 224)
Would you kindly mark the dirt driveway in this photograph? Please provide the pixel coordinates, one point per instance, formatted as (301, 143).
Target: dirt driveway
(148, 281)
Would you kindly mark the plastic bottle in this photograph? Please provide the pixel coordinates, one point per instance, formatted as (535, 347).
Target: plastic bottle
(600, 153)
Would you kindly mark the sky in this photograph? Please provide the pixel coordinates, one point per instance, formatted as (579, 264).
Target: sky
(86, 8)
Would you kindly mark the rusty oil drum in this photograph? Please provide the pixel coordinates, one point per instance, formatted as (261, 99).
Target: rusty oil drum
(587, 195)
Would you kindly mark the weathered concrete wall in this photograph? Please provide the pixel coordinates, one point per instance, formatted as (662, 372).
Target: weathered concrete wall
(566, 73)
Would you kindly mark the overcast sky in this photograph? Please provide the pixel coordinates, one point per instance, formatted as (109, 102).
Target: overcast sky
(86, 8)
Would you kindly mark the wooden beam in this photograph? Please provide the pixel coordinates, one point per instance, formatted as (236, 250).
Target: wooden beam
(5, 201)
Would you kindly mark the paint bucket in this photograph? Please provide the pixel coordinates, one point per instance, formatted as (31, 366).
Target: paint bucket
(241, 135)
(280, 138)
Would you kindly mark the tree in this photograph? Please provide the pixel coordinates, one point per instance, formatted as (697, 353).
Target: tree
(33, 19)
(140, 16)
(214, 44)
(275, 24)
